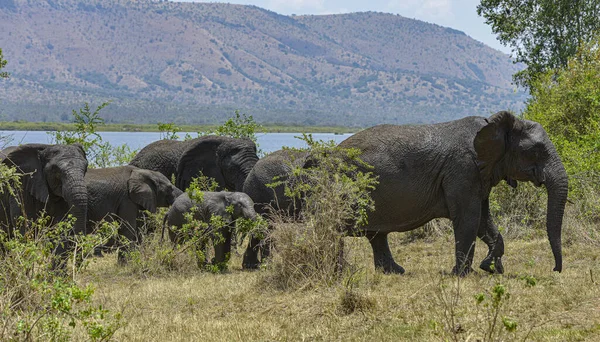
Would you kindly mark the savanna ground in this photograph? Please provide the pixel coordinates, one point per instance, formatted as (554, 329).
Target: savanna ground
(426, 303)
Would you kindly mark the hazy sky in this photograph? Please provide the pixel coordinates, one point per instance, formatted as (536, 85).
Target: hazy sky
(458, 14)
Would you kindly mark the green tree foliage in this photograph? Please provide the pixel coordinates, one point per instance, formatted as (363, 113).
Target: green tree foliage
(2, 65)
(566, 102)
(543, 34)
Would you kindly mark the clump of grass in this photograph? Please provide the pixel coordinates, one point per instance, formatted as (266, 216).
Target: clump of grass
(352, 301)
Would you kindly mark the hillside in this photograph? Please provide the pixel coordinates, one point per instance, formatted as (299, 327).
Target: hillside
(195, 63)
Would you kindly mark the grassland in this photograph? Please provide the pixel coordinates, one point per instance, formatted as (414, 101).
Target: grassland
(57, 126)
(425, 304)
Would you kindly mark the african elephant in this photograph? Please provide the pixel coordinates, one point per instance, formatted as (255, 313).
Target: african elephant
(122, 192)
(213, 203)
(227, 160)
(53, 181)
(273, 167)
(448, 170)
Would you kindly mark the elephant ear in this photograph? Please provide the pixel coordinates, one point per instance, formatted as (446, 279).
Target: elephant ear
(201, 156)
(492, 141)
(142, 190)
(27, 159)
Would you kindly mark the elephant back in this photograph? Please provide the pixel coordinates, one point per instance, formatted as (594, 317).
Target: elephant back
(161, 156)
(274, 167)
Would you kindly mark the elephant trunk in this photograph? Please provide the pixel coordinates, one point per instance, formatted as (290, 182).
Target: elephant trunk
(75, 194)
(246, 166)
(557, 186)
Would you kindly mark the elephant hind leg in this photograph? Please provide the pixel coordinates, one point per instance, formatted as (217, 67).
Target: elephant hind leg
(382, 255)
(250, 260)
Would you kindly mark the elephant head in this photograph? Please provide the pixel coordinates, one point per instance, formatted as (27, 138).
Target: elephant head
(520, 150)
(242, 204)
(227, 160)
(54, 179)
(151, 189)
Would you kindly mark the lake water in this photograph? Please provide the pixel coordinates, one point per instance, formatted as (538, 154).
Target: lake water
(267, 142)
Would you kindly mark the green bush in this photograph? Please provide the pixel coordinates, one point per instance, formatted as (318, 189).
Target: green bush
(567, 103)
(38, 302)
(99, 153)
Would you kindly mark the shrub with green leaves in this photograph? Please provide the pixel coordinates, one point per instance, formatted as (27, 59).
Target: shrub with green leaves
(308, 251)
(239, 126)
(99, 152)
(38, 302)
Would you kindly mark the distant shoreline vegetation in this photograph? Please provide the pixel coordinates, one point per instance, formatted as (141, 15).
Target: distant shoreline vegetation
(57, 126)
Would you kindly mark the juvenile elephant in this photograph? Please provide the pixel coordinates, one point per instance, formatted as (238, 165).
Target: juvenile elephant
(53, 181)
(448, 170)
(213, 203)
(227, 160)
(274, 167)
(121, 192)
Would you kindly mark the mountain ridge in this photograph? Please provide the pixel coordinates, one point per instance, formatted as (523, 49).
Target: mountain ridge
(195, 63)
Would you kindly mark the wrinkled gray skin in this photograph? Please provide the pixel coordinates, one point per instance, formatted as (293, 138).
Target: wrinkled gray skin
(447, 170)
(121, 192)
(213, 203)
(56, 184)
(274, 167)
(227, 160)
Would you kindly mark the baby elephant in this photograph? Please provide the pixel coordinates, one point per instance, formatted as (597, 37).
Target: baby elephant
(229, 205)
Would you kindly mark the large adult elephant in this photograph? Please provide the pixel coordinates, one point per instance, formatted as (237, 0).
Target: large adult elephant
(53, 181)
(448, 170)
(227, 160)
(121, 192)
(275, 167)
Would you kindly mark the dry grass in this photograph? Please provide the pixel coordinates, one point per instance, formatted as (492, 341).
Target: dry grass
(369, 306)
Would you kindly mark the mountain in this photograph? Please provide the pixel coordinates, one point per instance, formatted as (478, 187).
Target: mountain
(160, 61)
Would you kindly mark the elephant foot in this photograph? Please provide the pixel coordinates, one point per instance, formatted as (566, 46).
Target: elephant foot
(122, 256)
(250, 261)
(389, 267)
(492, 265)
(462, 271)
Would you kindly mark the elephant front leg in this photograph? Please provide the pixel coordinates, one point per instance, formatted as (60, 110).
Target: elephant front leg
(466, 224)
(223, 247)
(129, 231)
(489, 234)
(382, 255)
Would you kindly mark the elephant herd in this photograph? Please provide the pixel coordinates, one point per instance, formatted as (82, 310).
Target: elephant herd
(424, 171)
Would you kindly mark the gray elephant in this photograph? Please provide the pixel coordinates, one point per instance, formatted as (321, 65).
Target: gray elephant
(227, 160)
(121, 192)
(213, 203)
(53, 181)
(275, 166)
(448, 170)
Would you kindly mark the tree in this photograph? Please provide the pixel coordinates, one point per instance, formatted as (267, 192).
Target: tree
(543, 34)
(567, 103)
(2, 65)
